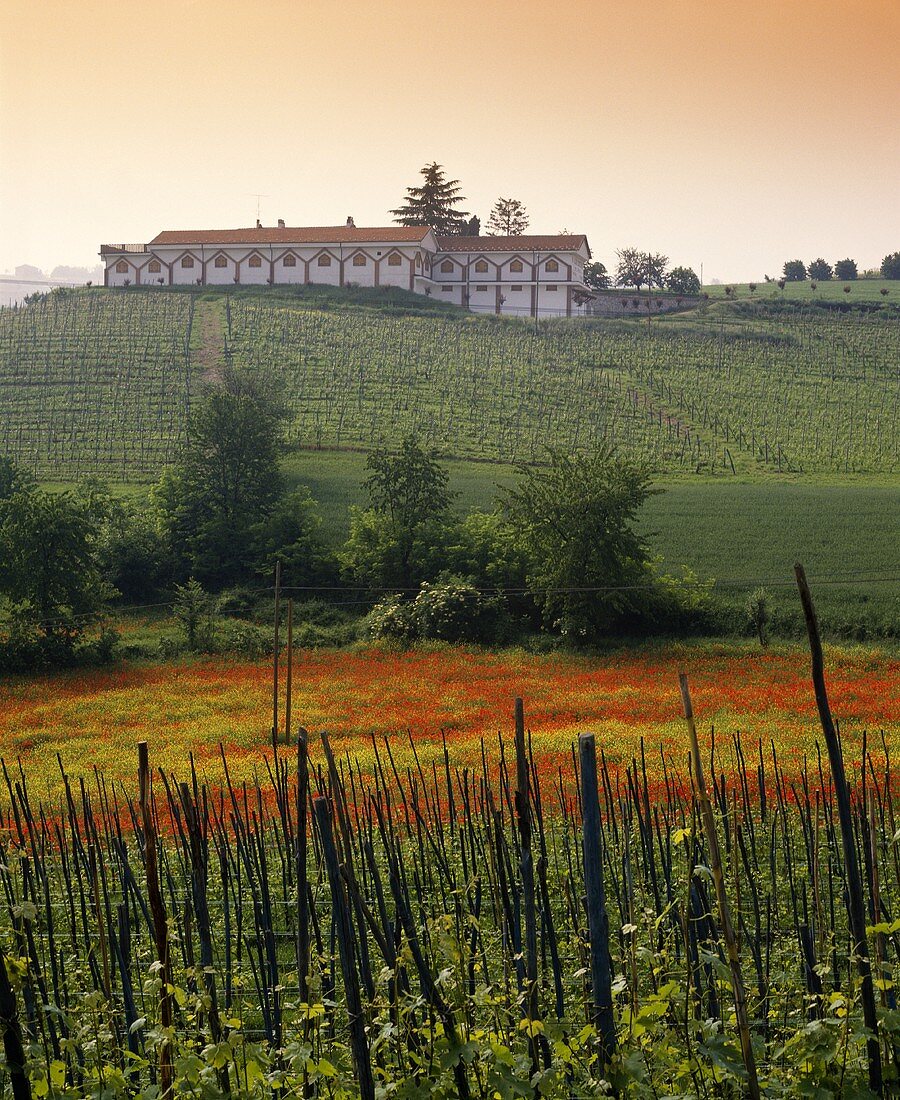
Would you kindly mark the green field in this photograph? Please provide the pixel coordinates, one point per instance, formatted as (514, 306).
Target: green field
(830, 290)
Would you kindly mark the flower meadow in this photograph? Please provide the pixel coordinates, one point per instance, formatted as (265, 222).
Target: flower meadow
(94, 719)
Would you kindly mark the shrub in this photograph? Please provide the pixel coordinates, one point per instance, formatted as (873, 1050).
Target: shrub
(759, 613)
(454, 611)
(242, 638)
(193, 612)
(392, 619)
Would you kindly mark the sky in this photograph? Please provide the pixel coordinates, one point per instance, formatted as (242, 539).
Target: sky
(728, 135)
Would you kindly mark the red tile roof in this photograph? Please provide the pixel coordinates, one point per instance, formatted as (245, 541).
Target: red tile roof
(337, 234)
(527, 243)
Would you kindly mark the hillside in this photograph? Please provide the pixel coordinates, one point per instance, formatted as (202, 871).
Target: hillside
(101, 381)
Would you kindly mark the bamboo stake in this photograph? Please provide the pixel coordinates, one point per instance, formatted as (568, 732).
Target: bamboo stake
(715, 862)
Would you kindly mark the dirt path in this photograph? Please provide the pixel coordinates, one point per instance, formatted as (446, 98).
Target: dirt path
(208, 341)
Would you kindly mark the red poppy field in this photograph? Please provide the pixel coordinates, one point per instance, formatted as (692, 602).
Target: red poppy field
(94, 719)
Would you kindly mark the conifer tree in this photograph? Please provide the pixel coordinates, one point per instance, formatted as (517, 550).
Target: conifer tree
(435, 203)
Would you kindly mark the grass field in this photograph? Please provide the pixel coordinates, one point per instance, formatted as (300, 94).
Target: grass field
(831, 290)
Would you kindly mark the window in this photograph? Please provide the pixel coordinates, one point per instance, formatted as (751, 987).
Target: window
(187, 261)
(447, 266)
(154, 267)
(515, 288)
(359, 260)
(551, 265)
(122, 267)
(255, 261)
(290, 261)
(481, 288)
(481, 267)
(418, 262)
(221, 261)
(446, 289)
(550, 288)
(516, 265)
(324, 260)
(394, 260)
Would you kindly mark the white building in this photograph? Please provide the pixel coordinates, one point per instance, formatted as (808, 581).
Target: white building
(525, 276)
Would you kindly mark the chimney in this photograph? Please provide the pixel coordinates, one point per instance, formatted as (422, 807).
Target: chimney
(351, 222)
(281, 223)
(258, 224)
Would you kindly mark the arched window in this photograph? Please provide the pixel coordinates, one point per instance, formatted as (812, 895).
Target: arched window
(221, 261)
(154, 267)
(551, 265)
(418, 262)
(255, 261)
(481, 266)
(447, 266)
(324, 260)
(290, 260)
(122, 267)
(516, 265)
(395, 259)
(187, 261)
(359, 260)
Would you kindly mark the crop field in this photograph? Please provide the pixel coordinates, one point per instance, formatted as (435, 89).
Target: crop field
(497, 909)
(100, 382)
(882, 291)
(95, 383)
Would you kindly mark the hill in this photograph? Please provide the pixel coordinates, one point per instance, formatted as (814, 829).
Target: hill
(100, 381)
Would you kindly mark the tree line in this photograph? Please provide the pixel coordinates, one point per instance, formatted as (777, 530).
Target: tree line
(561, 552)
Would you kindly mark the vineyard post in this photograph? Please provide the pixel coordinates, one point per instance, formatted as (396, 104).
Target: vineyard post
(12, 1037)
(288, 686)
(526, 868)
(854, 895)
(715, 866)
(358, 1043)
(598, 921)
(275, 657)
(160, 929)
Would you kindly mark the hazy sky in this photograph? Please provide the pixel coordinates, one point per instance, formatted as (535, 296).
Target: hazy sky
(732, 134)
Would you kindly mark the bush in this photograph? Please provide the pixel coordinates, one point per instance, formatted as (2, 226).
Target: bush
(392, 619)
(241, 638)
(451, 610)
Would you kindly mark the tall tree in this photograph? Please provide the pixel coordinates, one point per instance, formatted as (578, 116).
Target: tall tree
(596, 276)
(226, 481)
(683, 280)
(473, 226)
(890, 266)
(846, 270)
(509, 218)
(794, 271)
(576, 521)
(636, 268)
(820, 269)
(434, 203)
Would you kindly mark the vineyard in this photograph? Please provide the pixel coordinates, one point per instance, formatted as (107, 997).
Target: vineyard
(100, 382)
(662, 919)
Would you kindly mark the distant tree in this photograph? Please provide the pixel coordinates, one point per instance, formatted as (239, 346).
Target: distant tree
(596, 276)
(291, 535)
(509, 218)
(576, 520)
(71, 274)
(12, 478)
(846, 270)
(635, 268)
(890, 266)
(759, 613)
(435, 203)
(683, 280)
(398, 541)
(794, 271)
(820, 270)
(29, 271)
(473, 226)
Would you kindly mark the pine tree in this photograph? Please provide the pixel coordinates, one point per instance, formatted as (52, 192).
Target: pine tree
(509, 218)
(435, 203)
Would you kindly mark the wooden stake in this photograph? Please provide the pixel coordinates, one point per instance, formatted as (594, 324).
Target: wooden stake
(275, 657)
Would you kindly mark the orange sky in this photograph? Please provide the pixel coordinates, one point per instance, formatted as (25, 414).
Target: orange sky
(732, 134)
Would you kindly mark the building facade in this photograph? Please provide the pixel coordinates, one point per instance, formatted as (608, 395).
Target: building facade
(526, 276)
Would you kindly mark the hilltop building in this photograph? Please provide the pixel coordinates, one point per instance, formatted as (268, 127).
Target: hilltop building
(524, 276)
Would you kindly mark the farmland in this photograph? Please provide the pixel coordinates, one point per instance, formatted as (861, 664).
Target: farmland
(205, 931)
(100, 382)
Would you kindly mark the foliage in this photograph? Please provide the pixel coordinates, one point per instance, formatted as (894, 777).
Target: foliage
(820, 269)
(794, 271)
(508, 218)
(193, 612)
(398, 540)
(596, 276)
(473, 226)
(890, 266)
(291, 535)
(13, 479)
(759, 613)
(846, 270)
(48, 570)
(636, 268)
(227, 480)
(683, 280)
(587, 563)
(434, 203)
